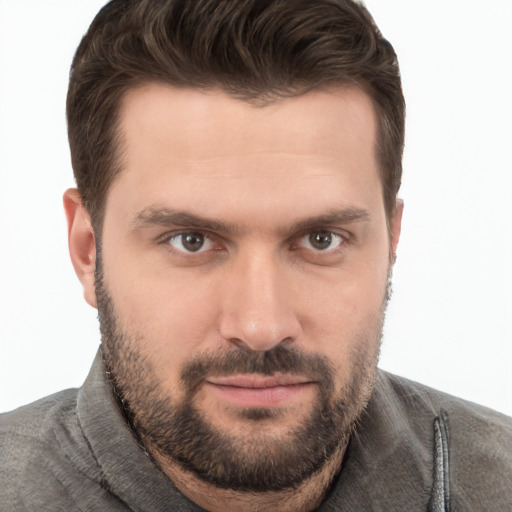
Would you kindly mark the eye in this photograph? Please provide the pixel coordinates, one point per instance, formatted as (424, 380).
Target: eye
(191, 242)
(321, 241)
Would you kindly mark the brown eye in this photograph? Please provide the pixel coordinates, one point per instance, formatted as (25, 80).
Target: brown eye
(321, 241)
(190, 242)
(193, 241)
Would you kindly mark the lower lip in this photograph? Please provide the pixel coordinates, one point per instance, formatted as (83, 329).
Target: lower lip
(273, 396)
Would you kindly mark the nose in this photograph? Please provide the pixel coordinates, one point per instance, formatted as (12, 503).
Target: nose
(258, 304)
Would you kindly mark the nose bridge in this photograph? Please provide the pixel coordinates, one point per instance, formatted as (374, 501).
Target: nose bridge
(258, 310)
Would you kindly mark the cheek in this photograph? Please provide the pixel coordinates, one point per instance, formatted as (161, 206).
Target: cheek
(344, 319)
(172, 315)
(347, 296)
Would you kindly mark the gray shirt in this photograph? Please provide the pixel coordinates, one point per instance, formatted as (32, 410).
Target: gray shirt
(415, 449)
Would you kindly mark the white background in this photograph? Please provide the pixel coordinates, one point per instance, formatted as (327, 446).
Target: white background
(449, 322)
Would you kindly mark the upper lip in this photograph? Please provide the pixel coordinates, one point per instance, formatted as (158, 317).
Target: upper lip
(258, 381)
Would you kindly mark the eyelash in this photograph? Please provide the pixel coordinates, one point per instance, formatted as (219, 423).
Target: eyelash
(332, 235)
(344, 239)
(173, 236)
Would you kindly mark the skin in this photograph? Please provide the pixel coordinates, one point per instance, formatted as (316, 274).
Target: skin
(262, 180)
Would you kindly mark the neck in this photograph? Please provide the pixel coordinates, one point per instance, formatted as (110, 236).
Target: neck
(304, 498)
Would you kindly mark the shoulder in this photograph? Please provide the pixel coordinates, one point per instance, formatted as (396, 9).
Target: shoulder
(35, 424)
(468, 418)
(477, 440)
(41, 450)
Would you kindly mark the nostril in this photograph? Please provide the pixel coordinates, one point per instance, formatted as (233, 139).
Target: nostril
(262, 346)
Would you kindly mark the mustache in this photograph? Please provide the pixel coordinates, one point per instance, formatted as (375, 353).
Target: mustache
(279, 359)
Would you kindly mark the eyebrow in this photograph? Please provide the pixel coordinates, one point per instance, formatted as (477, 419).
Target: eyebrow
(343, 216)
(166, 217)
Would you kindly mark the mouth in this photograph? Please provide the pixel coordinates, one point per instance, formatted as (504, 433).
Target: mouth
(255, 391)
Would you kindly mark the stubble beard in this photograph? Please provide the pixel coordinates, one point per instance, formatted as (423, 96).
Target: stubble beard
(258, 462)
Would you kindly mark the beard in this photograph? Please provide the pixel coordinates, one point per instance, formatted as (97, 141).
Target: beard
(254, 460)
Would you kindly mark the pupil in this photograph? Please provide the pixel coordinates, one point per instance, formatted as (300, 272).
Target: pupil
(193, 241)
(320, 240)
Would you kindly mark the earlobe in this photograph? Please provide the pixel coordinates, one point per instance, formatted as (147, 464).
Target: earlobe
(396, 226)
(81, 242)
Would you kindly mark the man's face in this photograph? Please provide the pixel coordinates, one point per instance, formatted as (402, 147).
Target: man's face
(244, 270)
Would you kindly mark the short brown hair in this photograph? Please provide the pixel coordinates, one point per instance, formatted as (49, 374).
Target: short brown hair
(252, 49)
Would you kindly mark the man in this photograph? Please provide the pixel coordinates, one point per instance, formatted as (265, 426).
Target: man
(236, 222)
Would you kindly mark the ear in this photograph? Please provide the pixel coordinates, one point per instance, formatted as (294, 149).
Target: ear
(81, 242)
(396, 226)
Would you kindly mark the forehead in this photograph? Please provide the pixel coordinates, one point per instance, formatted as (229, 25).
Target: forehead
(211, 148)
(182, 116)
